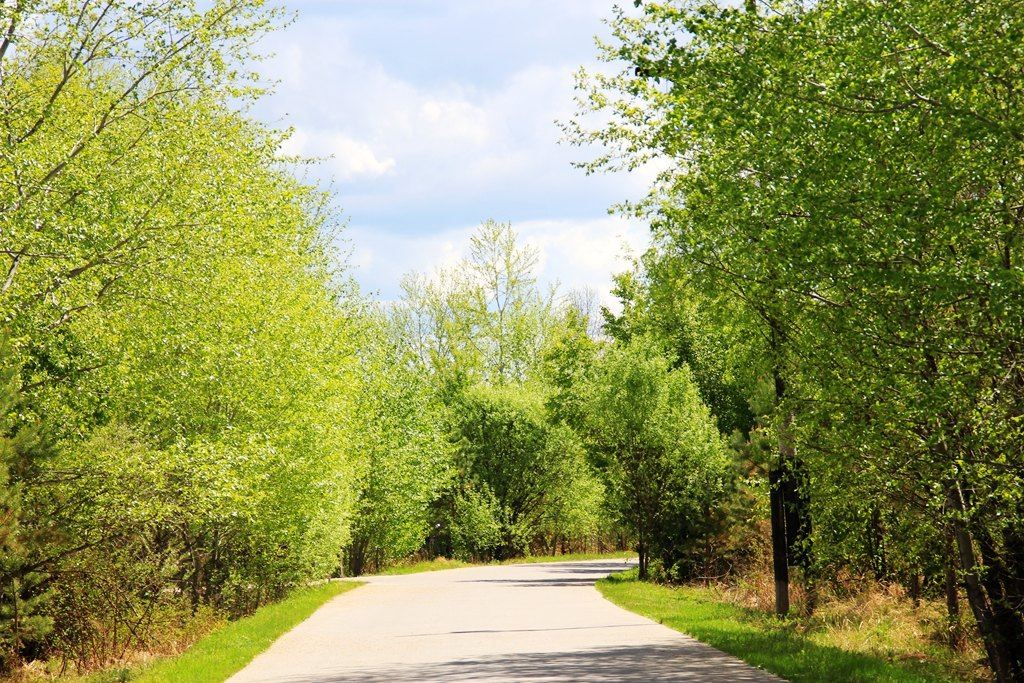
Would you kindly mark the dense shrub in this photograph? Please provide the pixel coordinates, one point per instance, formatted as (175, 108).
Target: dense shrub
(666, 465)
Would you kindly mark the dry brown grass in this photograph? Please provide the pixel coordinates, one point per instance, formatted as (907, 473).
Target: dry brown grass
(858, 614)
(171, 638)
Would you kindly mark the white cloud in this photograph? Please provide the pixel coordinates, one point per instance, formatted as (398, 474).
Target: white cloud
(346, 157)
(439, 115)
(444, 144)
(455, 120)
(575, 254)
(352, 158)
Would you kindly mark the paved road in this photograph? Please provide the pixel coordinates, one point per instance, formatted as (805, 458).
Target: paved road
(534, 622)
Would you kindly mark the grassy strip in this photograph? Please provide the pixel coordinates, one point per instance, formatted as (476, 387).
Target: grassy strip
(757, 638)
(442, 563)
(216, 657)
(435, 565)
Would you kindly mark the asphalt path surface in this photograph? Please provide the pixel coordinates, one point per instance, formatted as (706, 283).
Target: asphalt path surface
(529, 622)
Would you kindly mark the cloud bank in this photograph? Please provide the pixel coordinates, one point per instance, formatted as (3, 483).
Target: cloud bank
(433, 117)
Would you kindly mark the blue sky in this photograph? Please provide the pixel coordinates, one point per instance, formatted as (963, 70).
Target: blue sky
(439, 114)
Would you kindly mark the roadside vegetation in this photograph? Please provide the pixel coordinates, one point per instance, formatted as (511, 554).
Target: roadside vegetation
(869, 641)
(810, 391)
(837, 222)
(229, 647)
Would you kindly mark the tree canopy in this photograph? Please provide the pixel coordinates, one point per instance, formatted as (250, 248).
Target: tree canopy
(848, 174)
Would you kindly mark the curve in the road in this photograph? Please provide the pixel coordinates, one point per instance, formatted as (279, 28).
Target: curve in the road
(531, 622)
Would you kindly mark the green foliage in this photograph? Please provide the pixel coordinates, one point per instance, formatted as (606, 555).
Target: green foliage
(177, 324)
(665, 462)
(848, 174)
(100, 156)
(405, 462)
(523, 472)
(474, 522)
(443, 563)
(708, 333)
(508, 364)
(24, 592)
(484, 320)
(567, 364)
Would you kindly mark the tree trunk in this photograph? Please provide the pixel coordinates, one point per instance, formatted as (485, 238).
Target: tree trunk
(1001, 657)
(952, 598)
(1006, 615)
(979, 605)
(356, 557)
(777, 500)
(780, 561)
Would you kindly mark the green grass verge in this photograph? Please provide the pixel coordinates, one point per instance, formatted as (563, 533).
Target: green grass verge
(434, 565)
(442, 563)
(757, 638)
(216, 657)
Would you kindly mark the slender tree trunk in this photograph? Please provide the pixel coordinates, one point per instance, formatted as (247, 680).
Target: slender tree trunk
(777, 499)
(1007, 620)
(876, 538)
(780, 561)
(952, 598)
(642, 552)
(998, 646)
(794, 496)
(979, 605)
(915, 587)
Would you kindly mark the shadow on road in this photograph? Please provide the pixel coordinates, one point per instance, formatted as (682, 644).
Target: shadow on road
(678, 662)
(524, 630)
(582, 574)
(527, 583)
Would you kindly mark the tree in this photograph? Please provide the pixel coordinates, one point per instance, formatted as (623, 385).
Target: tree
(96, 105)
(23, 590)
(508, 452)
(179, 328)
(405, 462)
(712, 335)
(664, 461)
(485, 319)
(568, 362)
(850, 170)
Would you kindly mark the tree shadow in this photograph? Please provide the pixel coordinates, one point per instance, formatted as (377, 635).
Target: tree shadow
(568, 574)
(684, 661)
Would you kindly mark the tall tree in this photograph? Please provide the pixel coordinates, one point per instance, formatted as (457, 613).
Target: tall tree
(852, 168)
(486, 318)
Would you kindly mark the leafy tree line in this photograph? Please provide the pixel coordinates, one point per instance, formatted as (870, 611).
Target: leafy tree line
(837, 231)
(479, 333)
(200, 411)
(184, 405)
(558, 436)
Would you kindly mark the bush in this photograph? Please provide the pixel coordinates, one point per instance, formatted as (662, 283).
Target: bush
(666, 466)
(518, 471)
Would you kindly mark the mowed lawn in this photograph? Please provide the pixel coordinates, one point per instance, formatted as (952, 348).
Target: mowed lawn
(759, 639)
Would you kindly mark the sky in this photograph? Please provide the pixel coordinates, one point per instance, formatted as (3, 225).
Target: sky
(435, 115)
